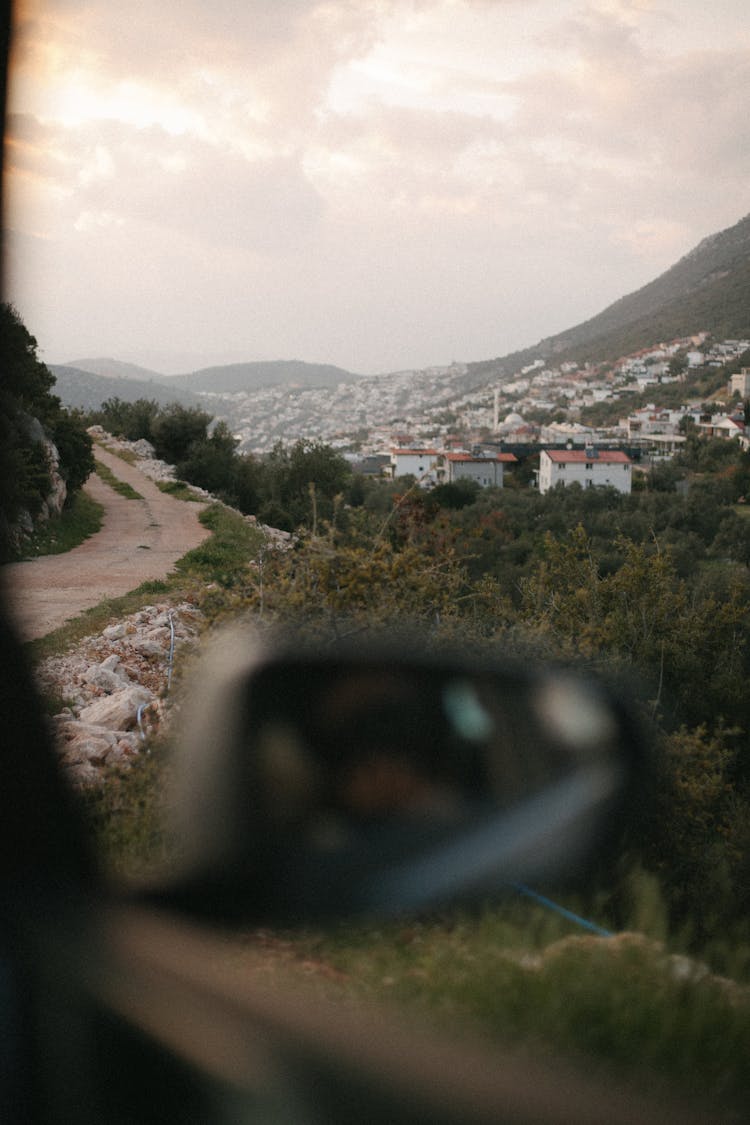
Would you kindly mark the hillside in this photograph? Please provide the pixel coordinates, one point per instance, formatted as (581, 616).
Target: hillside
(707, 290)
(82, 389)
(113, 369)
(235, 377)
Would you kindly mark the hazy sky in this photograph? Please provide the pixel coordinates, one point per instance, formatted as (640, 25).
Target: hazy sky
(378, 184)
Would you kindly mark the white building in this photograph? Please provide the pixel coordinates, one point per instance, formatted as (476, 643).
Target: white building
(587, 467)
(740, 383)
(485, 469)
(723, 426)
(569, 432)
(420, 463)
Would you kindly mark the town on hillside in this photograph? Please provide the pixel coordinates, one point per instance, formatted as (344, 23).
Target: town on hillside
(594, 423)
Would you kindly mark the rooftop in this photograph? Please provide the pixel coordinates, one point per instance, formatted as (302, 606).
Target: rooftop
(576, 456)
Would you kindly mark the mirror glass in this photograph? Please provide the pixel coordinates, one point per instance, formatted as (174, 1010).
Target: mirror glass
(387, 785)
(370, 743)
(379, 781)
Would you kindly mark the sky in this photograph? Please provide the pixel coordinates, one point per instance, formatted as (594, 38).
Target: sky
(376, 184)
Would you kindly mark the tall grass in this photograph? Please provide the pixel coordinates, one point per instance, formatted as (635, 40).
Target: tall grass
(522, 976)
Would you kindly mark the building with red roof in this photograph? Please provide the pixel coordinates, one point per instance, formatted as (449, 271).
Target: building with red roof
(588, 467)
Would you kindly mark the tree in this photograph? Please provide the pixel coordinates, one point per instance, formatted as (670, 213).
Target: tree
(697, 841)
(301, 483)
(130, 420)
(75, 448)
(176, 429)
(24, 379)
(211, 462)
(31, 416)
(455, 494)
(678, 364)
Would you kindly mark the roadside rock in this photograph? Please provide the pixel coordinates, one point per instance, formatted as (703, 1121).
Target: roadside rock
(104, 681)
(117, 711)
(108, 679)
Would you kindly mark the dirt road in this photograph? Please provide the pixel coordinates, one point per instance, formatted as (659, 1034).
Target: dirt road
(139, 540)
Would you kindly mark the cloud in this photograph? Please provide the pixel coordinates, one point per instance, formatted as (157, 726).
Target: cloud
(215, 198)
(146, 176)
(324, 177)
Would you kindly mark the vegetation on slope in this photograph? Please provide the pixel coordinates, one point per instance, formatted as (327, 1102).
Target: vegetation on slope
(655, 583)
(290, 486)
(31, 415)
(708, 290)
(78, 521)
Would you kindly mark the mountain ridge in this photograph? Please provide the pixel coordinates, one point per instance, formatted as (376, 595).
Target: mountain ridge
(231, 378)
(706, 290)
(85, 390)
(108, 368)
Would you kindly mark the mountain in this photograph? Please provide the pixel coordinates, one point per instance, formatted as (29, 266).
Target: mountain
(708, 290)
(87, 391)
(235, 377)
(113, 369)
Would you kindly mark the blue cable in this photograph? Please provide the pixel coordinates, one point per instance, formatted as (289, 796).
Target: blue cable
(171, 652)
(571, 917)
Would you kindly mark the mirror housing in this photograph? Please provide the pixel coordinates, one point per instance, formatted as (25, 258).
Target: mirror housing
(376, 781)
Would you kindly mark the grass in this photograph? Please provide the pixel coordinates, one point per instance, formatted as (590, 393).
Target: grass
(78, 520)
(514, 973)
(125, 815)
(224, 557)
(180, 491)
(120, 486)
(124, 454)
(522, 977)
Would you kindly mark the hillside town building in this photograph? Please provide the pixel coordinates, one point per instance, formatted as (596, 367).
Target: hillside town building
(485, 469)
(432, 466)
(419, 463)
(587, 467)
(740, 383)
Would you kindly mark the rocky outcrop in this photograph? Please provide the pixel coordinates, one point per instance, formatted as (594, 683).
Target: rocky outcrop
(115, 687)
(51, 504)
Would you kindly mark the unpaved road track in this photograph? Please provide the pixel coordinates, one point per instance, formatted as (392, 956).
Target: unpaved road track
(139, 540)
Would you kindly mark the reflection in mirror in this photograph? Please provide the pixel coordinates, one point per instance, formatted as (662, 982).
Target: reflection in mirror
(376, 743)
(374, 765)
(329, 786)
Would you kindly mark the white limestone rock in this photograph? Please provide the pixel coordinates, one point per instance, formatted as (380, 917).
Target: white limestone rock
(119, 711)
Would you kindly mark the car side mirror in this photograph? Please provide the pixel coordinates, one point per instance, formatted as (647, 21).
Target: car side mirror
(375, 781)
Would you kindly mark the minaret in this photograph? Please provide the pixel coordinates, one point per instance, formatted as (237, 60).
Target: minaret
(496, 412)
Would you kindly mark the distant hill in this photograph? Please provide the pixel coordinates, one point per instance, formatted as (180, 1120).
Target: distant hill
(113, 369)
(235, 377)
(82, 389)
(707, 290)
